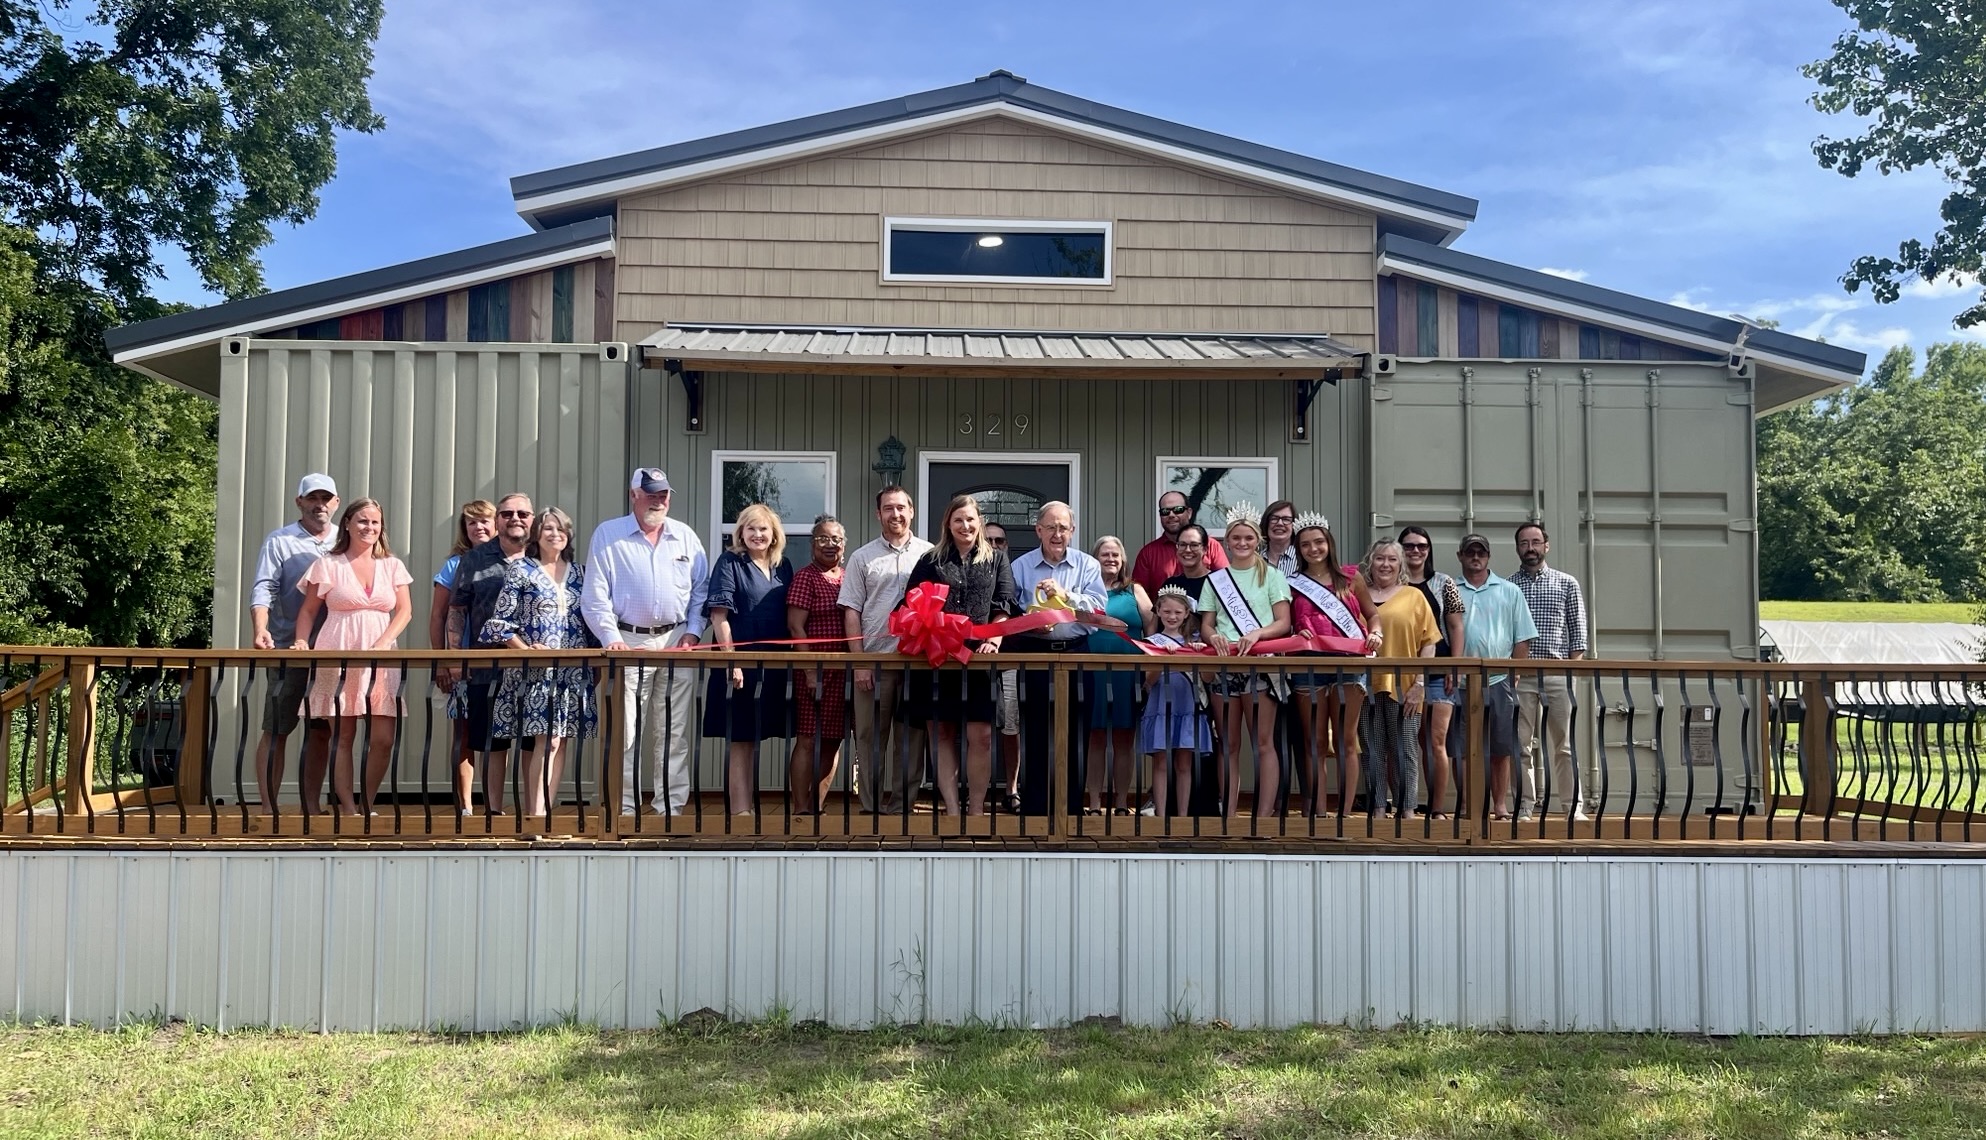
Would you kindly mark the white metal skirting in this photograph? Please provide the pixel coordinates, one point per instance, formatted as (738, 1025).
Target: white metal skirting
(356, 941)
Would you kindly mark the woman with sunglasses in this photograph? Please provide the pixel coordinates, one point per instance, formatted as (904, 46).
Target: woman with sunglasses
(1445, 599)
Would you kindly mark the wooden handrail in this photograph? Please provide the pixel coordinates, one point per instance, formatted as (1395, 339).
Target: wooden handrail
(39, 686)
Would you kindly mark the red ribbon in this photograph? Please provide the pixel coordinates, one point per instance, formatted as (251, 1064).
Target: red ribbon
(922, 628)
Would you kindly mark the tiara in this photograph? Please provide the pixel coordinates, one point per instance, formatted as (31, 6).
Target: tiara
(1309, 519)
(1175, 592)
(1244, 512)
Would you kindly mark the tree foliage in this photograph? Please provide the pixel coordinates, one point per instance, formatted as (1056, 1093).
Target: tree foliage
(1880, 493)
(1915, 71)
(126, 127)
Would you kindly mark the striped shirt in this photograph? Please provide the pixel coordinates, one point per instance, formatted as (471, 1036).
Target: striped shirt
(629, 579)
(1558, 609)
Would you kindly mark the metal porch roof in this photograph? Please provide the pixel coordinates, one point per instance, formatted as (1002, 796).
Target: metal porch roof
(984, 352)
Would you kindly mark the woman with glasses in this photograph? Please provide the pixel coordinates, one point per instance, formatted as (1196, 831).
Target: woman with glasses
(1193, 547)
(543, 706)
(813, 612)
(1279, 537)
(1444, 598)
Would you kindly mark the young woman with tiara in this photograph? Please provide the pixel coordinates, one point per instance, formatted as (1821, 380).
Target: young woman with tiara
(1327, 610)
(1247, 602)
(1173, 730)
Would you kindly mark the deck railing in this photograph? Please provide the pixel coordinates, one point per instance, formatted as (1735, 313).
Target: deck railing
(125, 744)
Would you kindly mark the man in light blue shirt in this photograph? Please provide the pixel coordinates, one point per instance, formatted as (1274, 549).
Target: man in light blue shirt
(1050, 573)
(646, 579)
(273, 601)
(1497, 624)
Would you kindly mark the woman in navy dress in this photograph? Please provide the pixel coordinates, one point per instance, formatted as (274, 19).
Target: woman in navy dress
(747, 604)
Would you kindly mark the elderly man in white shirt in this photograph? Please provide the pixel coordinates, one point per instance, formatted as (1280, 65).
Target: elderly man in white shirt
(646, 577)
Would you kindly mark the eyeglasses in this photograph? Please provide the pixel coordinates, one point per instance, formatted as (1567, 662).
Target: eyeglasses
(829, 540)
(997, 541)
(1190, 545)
(513, 514)
(1174, 510)
(1413, 546)
(1280, 519)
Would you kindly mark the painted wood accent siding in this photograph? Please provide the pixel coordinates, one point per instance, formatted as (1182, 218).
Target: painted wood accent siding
(802, 243)
(1418, 319)
(555, 306)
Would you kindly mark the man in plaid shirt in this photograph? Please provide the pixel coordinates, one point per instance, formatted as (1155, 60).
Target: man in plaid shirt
(1558, 609)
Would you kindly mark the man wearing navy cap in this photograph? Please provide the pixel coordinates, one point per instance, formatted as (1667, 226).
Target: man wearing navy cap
(646, 578)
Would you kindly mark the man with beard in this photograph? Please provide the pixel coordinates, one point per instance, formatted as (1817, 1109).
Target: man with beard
(1558, 609)
(273, 602)
(472, 600)
(871, 586)
(646, 579)
(1159, 558)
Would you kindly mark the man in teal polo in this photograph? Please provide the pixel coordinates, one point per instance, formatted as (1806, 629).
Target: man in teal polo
(1497, 624)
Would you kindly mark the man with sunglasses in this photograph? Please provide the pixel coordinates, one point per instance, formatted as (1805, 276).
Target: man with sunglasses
(646, 579)
(1159, 559)
(472, 600)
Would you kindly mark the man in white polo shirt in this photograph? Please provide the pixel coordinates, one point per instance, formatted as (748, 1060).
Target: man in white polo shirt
(646, 576)
(871, 587)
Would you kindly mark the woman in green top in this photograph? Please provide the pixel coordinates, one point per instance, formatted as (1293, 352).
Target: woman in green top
(1247, 602)
(1113, 695)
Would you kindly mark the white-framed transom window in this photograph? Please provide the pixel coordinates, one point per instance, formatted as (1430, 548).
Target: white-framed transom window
(1213, 483)
(997, 251)
(797, 485)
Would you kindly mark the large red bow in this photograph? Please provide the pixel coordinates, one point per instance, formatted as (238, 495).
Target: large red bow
(922, 628)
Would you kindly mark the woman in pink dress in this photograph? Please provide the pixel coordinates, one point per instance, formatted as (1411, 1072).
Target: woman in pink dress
(363, 590)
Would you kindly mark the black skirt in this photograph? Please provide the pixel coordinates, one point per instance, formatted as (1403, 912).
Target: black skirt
(759, 711)
(951, 695)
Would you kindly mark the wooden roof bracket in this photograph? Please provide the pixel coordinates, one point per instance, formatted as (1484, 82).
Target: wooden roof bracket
(692, 394)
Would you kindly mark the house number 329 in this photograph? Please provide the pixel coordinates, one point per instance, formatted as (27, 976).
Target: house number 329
(993, 425)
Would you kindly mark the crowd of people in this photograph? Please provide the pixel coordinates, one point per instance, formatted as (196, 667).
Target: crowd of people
(1379, 739)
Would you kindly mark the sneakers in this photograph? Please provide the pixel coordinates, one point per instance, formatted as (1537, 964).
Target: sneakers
(1525, 816)
(1579, 816)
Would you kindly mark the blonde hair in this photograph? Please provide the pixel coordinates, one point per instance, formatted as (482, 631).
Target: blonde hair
(982, 550)
(1365, 570)
(1124, 564)
(759, 512)
(1261, 570)
(473, 509)
(560, 519)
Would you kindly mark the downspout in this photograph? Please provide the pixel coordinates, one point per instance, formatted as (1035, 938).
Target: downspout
(1655, 497)
(1590, 517)
(1468, 450)
(1531, 376)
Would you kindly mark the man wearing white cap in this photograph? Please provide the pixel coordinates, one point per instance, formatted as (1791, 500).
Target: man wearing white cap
(646, 577)
(273, 602)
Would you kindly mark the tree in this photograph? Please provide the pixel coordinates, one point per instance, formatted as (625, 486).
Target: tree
(127, 126)
(1916, 70)
(195, 123)
(1880, 493)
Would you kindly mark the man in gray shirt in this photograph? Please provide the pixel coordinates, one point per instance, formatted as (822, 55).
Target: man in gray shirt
(871, 587)
(273, 601)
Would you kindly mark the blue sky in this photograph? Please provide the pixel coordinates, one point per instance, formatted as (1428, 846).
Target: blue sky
(1661, 149)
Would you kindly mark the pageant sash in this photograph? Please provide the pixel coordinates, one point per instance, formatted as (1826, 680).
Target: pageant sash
(1327, 603)
(1225, 588)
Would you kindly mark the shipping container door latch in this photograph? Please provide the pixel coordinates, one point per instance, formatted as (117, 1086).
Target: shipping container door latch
(1306, 393)
(692, 393)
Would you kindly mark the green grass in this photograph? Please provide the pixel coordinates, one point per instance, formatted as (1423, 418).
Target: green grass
(735, 1082)
(1964, 613)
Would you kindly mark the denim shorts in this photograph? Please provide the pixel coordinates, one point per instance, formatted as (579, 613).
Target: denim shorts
(1437, 690)
(1315, 681)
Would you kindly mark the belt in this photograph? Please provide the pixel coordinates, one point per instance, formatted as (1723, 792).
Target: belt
(648, 629)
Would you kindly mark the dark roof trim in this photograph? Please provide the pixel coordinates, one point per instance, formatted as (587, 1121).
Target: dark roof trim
(549, 194)
(1405, 253)
(351, 292)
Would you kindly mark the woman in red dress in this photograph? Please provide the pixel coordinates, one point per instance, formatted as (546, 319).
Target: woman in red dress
(813, 610)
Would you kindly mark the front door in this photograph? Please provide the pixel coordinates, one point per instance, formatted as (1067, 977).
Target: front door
(1010, 487)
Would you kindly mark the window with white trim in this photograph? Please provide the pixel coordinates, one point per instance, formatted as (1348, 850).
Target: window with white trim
(797, 485)
(1213, 483)
(996, 251)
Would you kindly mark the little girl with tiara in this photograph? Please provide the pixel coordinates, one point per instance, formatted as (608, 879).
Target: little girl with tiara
(1173, 729)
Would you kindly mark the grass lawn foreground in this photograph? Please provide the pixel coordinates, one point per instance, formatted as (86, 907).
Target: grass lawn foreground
(737, 1081)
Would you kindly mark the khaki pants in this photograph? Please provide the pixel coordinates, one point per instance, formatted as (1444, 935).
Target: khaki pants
(1549, 699)
(881, 743)
(659, 710)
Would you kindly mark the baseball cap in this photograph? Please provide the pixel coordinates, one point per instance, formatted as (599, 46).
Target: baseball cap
(1469, 540)
(649, 479)
(316, 481)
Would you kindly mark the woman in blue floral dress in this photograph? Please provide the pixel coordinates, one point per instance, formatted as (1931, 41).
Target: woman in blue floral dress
(543, 706)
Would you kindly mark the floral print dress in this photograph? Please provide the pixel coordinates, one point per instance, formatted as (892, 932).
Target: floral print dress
(542, 701)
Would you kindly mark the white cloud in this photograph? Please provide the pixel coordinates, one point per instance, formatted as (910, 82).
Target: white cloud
(1941, 288)
(1875, 342)
(1568, 274)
